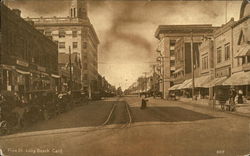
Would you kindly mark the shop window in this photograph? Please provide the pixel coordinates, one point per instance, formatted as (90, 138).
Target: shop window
(227, 51)
(219, 53)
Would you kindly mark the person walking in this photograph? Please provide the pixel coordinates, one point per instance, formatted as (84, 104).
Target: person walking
(240, 97)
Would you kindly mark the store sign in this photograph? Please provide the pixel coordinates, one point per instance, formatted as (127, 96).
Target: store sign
(22, 63)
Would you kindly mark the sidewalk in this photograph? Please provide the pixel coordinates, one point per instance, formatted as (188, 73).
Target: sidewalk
(241, 109)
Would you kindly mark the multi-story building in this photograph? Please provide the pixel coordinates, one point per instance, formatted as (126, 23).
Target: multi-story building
(225, 57)
(240, 62)
(176, 63)
(28, 59)
(76, 32)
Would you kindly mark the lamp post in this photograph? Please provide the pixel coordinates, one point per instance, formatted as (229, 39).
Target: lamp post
(192, 65)
(70, 70)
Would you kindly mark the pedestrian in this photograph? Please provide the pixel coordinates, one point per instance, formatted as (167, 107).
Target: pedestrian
(144, 102)
(240, 97)
(232, 94)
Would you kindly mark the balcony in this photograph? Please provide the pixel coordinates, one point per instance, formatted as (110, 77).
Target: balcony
(246, 67)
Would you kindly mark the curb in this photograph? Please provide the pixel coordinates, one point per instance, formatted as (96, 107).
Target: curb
(207, 107)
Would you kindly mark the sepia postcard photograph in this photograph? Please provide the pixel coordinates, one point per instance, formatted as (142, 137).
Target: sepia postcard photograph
(124, 77)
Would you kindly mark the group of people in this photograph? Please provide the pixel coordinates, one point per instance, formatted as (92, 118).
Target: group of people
(19, 110)
(236, 96)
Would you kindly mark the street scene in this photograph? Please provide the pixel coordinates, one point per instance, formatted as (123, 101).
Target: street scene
(121, 78)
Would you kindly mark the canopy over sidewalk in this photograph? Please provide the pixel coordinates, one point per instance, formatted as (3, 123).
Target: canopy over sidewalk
(215, 82)
(243, 51)
(175, 87)
(238, 79)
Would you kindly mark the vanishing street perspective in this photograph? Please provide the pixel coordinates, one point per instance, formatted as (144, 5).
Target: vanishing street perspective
(125, 78)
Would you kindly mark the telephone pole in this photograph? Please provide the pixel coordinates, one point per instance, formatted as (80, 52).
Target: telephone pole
(70, 70)
(192, 64)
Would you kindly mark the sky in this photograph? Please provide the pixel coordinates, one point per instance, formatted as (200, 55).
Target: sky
(126, 28)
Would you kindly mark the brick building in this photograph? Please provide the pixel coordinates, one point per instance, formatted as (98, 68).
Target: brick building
(77, 32)
(28, 59)
(176, 63)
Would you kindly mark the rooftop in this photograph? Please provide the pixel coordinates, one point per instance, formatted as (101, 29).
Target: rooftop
(174, 29)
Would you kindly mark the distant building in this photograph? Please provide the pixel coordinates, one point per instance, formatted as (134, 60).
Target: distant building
(176, 64)
(77, 32)
(28, 59)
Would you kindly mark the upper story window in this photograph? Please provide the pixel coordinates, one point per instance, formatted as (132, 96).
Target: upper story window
(227, 51)
(84, 45)
(74, 33)
(61, 45)
(219, 53)
(62, 33)
(75, 44)
(205, 63)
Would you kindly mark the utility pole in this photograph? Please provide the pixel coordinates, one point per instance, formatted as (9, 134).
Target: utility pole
(192, 64)
(70, 70)
(163, 77)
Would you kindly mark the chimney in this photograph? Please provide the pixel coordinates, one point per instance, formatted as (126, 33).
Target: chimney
(17, 12)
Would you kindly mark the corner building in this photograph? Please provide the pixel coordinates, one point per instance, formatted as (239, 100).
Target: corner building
(77, 32)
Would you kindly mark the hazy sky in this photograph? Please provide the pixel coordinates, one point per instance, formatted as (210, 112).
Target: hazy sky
(126, 28)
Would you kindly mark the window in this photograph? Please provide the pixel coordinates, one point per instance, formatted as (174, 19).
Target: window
(74, 44)
(84, 45)
(61, 33)
(74, 33)
(248, 59)
(205, 63)
(61, 45)
(172, 63)
(219, 55)
(227, 51)
(85, 57)
(171, 52)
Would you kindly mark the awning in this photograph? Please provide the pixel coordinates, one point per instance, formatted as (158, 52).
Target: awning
(238, 79)
(55, 76)
(200, 81)
(183, 85)
(175, 87)
(22, 72)
(215, 82)
(243, 51)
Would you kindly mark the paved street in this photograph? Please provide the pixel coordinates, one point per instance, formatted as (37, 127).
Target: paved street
(118, 126)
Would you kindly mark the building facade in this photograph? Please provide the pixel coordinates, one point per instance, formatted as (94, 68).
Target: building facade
(76, 32)
(28, 59)
(174, 49)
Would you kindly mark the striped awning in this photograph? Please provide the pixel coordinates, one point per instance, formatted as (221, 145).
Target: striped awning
(243, 51)
(215, 82)
(238, 79)
(200, 81)
(175, 87)
(184, 84)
